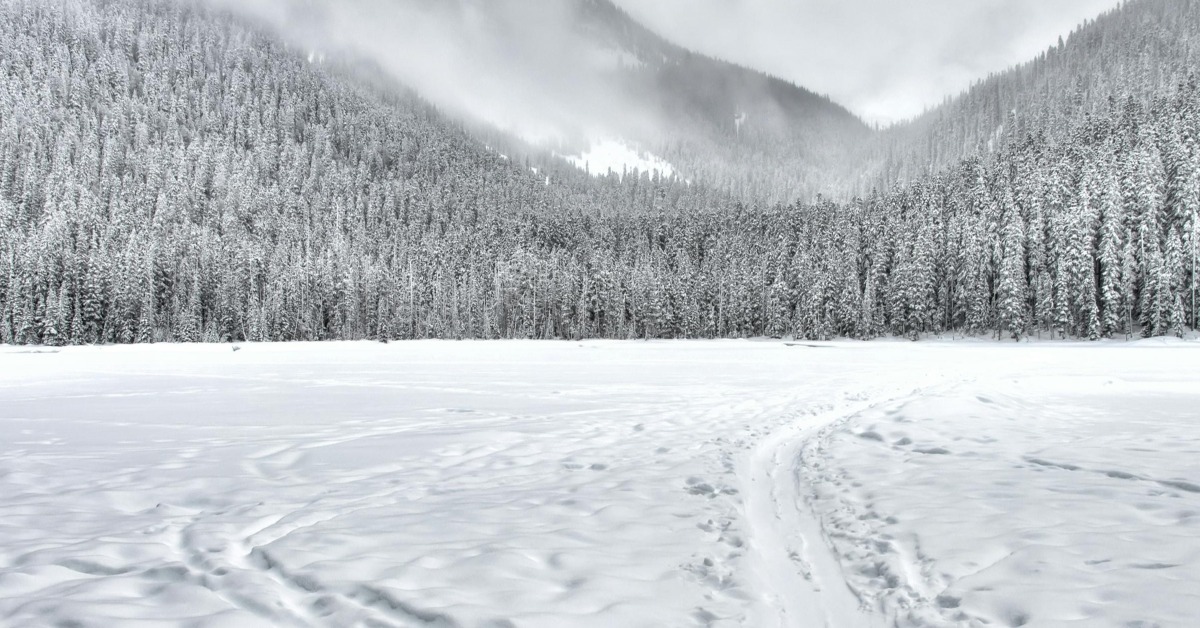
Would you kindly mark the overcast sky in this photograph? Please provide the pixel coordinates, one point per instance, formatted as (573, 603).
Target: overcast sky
(884, 59)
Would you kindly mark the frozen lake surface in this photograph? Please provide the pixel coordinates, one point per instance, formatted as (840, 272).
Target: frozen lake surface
(541, 484)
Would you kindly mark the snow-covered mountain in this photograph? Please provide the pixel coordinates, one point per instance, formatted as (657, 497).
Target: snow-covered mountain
(1130, 57)
(567, 76)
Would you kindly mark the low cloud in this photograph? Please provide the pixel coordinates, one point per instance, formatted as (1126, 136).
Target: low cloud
(886, 60)
(520, 65)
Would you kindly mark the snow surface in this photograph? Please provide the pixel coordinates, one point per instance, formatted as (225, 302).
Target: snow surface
(617, 156)
(561, 484)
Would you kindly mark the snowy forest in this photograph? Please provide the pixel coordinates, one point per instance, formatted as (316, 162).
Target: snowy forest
(170, 173)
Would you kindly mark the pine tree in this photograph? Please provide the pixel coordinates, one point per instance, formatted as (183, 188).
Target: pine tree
(1112, 258)
(1172, 281)
(1013, 285)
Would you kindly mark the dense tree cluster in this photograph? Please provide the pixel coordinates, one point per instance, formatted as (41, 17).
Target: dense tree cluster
(169, 174)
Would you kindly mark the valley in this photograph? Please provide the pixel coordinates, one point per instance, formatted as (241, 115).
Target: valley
(504, 313)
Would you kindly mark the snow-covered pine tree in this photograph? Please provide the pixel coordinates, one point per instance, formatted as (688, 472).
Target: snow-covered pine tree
(1012, 289)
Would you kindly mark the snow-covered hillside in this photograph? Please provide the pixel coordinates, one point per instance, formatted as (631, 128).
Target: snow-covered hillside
(605, 157)
(601, 484)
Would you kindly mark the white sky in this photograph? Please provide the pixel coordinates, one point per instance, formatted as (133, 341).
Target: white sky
(886, 60)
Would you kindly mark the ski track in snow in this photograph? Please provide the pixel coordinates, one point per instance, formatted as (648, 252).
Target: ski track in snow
(601, 483)
(1033, 500)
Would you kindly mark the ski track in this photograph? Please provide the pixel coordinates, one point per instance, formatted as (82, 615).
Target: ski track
(938, 514)
(546, 484)
(801, 578)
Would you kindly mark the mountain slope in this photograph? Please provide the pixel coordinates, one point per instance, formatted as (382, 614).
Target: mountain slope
(581, 79)
(570, 75)
(1136, 53)
(728, 125)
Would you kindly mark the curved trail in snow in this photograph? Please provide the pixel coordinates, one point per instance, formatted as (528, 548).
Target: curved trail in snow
(596, 484)
(796, 569)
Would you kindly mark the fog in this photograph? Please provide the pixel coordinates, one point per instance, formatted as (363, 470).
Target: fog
(520, 65)
(535, 69)
(884, 59)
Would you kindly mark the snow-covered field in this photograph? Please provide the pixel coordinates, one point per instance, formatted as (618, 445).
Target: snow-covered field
(601, 484)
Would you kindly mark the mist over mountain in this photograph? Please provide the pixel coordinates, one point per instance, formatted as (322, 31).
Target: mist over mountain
(887, 61)
(569, 76)
(581, 80)
(517, 64)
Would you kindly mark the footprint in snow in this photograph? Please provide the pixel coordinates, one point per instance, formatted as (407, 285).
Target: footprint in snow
(1054, 465)
(1181, 485)
(948, 601)
(697, 486)
(1121, 475)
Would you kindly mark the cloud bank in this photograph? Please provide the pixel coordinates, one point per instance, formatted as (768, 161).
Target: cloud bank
(520, 65)
(887, 60)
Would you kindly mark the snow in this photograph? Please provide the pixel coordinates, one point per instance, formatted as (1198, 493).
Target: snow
(1079, 494)
(717, 483)
(499, 154)
(617, 156)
